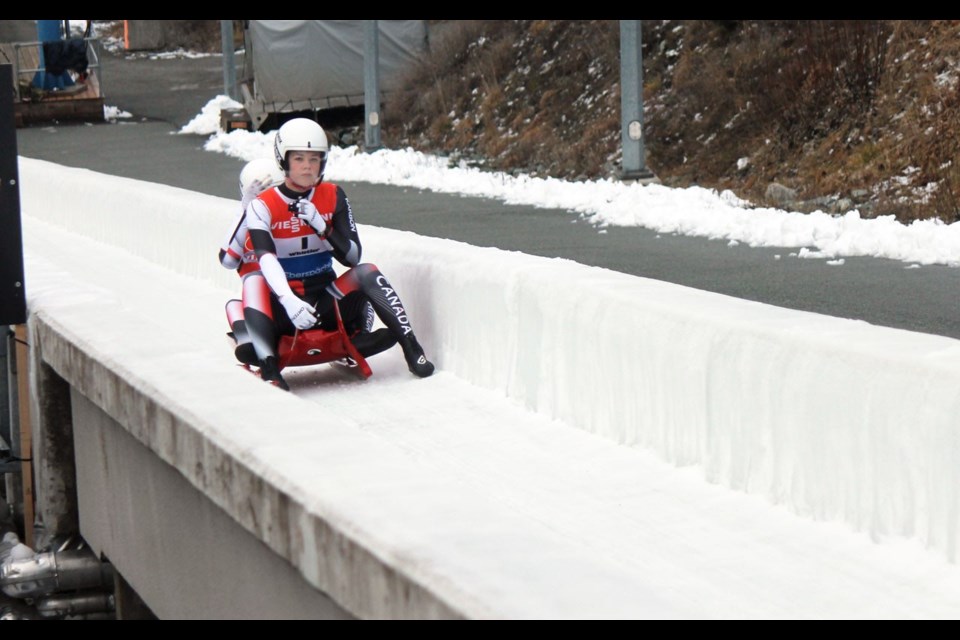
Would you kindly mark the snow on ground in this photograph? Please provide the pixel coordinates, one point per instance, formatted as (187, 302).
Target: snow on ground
(610, 203)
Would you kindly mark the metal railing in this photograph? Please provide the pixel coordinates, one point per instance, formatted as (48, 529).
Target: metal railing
(26, 57)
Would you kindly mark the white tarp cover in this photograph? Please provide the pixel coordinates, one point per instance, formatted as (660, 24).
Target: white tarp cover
(320, 62)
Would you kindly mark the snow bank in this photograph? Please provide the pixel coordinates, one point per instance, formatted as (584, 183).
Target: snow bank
(834, 419)
(693, 211)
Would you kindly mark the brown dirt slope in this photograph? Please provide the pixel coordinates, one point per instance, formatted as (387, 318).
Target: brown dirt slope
(849, 114)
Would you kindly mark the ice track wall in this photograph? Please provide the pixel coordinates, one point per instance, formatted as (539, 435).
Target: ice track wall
(834, 419)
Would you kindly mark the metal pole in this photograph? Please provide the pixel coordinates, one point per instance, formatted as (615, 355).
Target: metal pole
(13, 484)
(13, 299)
(11, 269)
(371, 85)
(4, 400)
(25, 448)
(229, 63)
(631, 103)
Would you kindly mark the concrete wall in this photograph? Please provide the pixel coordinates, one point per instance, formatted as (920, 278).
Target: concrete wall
(182, 554)
(146, 34)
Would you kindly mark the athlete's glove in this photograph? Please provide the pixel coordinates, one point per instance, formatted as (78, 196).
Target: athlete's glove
(320, 222)
(302, 315)
(255, 188)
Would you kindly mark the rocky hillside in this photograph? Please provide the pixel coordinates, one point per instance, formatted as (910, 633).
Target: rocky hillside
(829, 115)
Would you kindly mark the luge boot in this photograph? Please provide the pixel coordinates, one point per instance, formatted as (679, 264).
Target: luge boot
(246, 354)
(270, 372)
(416, 360)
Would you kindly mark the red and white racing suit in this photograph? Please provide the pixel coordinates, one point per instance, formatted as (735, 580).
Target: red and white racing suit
(294, 259)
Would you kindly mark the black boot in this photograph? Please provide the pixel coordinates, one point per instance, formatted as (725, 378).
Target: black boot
(246, 354)
(413, 354)
(270, 372)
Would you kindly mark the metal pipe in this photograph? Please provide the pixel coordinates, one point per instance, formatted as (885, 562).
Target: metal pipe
(50, 572)
(73, 605)
(81, 569)
(25, 578)
(11, 609)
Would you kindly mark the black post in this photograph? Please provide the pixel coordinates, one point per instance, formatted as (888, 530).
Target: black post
(13, 298)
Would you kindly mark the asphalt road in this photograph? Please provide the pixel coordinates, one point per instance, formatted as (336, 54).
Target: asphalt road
(165, 94)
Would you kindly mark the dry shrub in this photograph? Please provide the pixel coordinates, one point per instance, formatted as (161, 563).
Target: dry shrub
(707, 122)
(193, 35)
(829, 107)
(442, 81)
(527, 88)
(930, 133)
(824, 72)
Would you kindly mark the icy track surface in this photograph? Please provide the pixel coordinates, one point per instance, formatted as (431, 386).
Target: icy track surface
(652, 540)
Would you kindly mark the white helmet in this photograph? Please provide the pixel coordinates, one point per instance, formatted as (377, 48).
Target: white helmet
(300, 134)
(264, 170)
